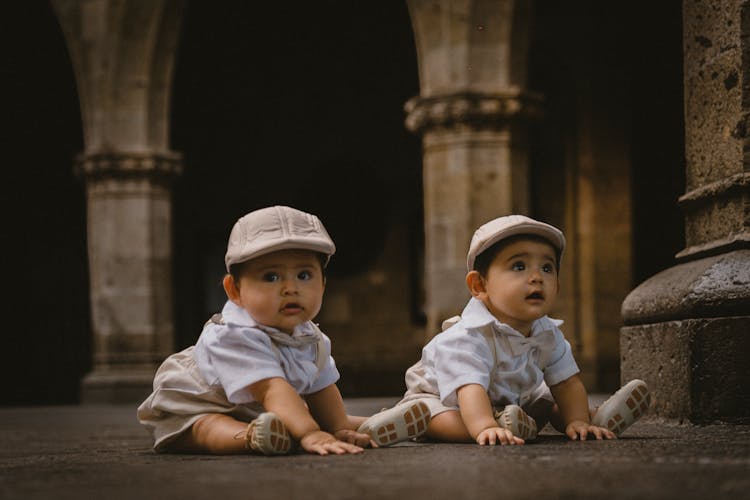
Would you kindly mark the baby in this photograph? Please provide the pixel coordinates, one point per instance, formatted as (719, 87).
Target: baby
(503, 369)
(261, 377)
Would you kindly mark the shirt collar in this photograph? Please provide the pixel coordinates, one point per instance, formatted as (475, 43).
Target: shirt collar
(476, 315)
(236, 315)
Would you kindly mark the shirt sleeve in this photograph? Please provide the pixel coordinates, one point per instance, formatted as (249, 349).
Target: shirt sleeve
(240, 357)
(460, 359)
(561, 365)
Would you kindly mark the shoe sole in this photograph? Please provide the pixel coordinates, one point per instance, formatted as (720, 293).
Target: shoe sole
(274, 437)
(280, 440)
(518, 422)
(401, 425)
(637, 401)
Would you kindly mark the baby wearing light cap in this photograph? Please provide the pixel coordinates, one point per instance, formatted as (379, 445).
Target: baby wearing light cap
(500, 371)
(261, 378)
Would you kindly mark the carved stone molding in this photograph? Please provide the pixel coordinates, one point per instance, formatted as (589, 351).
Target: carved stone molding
(723, 188)
(714, 217)
(472, 109)
(159, 168)
(715, 247)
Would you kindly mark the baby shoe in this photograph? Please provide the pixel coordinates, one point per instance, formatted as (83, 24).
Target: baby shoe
(400, 423)
(516, 421)
(624, 407)
(267, 434)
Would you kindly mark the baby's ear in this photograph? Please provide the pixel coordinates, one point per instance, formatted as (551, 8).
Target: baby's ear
(231, 289)
(475, 283)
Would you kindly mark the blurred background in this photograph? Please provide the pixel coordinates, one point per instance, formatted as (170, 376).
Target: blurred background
(302, 104)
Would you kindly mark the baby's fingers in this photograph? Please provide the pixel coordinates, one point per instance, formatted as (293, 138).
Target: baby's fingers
(508, 438)
(492, 436)
(337, 448)
(363, 440)
(320, 449)
(602, 433)
(577, 430)
(578, 434)
(341, 447)
(353, 437)
(486, 437)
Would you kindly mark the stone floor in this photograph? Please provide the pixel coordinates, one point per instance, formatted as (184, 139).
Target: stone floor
(102, 452)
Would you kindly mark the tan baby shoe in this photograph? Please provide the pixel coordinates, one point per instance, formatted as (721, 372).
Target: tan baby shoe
(514, 419)
(624, 407)
(400, 423)
(267, 434)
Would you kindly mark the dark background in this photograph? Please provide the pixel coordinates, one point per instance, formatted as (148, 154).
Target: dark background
(296, 104)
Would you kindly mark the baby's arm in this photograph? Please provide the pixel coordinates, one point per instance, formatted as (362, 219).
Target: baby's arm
(327, 408)
(476, 412)
(572, 401)
(276, 395)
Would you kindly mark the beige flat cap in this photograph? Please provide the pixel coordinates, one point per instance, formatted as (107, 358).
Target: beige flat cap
(276, 228)
(511, 225)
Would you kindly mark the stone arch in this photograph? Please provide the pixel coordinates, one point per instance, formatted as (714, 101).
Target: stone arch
(123, 55)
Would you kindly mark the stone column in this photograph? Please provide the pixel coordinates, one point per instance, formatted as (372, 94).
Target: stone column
(471, 111)
(123, 53)
(687, 328)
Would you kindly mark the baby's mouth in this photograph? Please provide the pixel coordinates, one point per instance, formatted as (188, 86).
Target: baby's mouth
(535, 296)
(293, 306)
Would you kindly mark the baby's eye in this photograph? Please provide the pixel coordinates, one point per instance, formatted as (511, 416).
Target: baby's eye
(518, 266)
(305, 275)
(271, 277)
(548, 268)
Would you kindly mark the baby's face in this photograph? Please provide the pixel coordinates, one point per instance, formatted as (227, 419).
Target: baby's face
(282, 289)
(521, 283)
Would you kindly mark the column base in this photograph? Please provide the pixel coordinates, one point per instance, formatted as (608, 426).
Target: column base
(696, 368)
(117, 386)
(687, 335)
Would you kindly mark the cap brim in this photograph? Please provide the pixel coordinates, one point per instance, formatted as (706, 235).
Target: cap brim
(555, 238)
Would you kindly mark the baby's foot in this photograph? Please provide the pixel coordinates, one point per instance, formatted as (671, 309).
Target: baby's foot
(400, 423)
(624, 407)
(517, 421)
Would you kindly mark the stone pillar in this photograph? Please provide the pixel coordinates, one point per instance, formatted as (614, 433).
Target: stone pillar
(123, 53)
(687, 328)
(472, 112)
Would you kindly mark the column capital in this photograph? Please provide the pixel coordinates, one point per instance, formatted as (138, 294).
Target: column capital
(161, 168)
(474, 110)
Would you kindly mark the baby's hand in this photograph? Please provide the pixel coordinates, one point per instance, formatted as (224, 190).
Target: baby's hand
(494, 434)
(579, 429)
(355, 438)
(323, 443)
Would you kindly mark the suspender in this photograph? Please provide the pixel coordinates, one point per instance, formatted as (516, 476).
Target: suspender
(489, 336)
(320, 360)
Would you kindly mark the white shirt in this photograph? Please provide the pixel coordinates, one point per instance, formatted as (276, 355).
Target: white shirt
(239, 353)
(463, 355)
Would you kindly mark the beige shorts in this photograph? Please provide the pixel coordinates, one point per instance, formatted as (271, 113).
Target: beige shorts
(181, 397)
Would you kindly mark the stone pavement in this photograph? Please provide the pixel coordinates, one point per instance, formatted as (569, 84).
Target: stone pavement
(76, 452)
